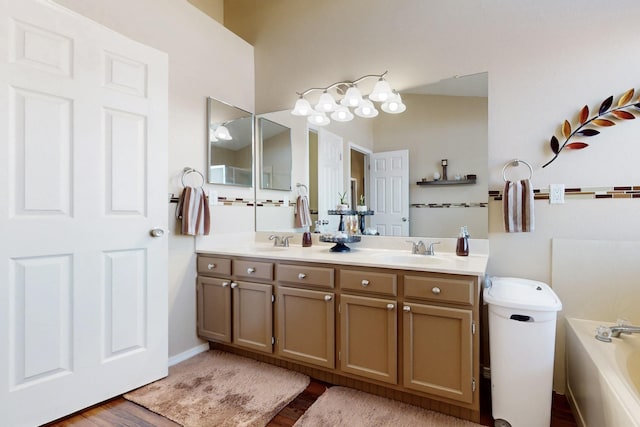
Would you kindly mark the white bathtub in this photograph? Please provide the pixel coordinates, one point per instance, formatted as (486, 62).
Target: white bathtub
(603, 379)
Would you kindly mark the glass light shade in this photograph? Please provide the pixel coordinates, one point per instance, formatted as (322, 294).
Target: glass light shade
(319, 119)
(342, 114)
(366, 109)
(394, 105)
(302, 108)
(326, 103)
(381, 91)
(222, 133)
(352, 98)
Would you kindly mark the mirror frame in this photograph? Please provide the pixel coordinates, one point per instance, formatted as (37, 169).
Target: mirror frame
(230, 114)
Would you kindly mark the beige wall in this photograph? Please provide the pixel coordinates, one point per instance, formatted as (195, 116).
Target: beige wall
(213, 8)
(194, 43)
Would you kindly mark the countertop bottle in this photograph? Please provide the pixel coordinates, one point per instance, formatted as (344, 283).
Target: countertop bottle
(306, 238)
(462, 246)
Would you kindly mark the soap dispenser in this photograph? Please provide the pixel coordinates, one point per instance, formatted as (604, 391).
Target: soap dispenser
(462, 247)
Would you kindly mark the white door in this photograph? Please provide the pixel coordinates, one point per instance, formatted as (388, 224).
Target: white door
(390, 192)
(83, 179)
(330, 172)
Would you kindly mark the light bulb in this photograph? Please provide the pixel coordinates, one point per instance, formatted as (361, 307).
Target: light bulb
(326, 103)
(302, 108)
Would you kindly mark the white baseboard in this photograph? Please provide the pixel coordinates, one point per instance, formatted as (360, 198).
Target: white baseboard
(188, 354)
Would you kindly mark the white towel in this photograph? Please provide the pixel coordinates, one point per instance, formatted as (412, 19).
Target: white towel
(193, 210)
(517, 203)
(303, 217)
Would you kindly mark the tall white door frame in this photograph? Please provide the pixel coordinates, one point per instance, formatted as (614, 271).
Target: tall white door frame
(390, 192)
(83, 180)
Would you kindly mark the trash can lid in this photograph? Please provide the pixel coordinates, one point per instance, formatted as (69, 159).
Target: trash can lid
(513, 292)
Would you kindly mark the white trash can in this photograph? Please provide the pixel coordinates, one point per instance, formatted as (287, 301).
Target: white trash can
(522, 329)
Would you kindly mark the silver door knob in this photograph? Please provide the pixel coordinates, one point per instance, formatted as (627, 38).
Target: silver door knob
(406, 308)
(436, 290)
(301, 276)
(365, 282)
(251, 270)
(404, 219)
(156, 232)
(328, 297)
(234, 285)
(390, 306)
(225, 284)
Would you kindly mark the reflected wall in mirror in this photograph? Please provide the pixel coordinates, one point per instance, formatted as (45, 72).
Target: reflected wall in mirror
(275, 155)
(443, 120)
(230, 144)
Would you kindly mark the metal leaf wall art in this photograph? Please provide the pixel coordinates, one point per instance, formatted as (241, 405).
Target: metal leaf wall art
(606, 117)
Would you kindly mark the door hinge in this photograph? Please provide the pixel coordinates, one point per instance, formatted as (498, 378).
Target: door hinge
(339, 356)
(473, 384)
(273, 340)
(273, 298)
(473, 328)
(339, 312)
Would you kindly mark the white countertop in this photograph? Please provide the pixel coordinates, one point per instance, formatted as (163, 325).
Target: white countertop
(385, 253)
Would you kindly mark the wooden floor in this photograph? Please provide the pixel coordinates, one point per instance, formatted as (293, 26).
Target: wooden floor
(121, 412)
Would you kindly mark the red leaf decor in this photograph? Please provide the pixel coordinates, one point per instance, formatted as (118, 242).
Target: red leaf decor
(606, 117)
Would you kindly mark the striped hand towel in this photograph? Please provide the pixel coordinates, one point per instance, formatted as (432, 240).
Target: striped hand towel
(517, 202)
(303, 217)
(193, 210)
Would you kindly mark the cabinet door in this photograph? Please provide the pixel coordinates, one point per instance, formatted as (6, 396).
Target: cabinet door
(253, 316)
(368, 343)
(438, 355)
(306, 326)
(214, 308)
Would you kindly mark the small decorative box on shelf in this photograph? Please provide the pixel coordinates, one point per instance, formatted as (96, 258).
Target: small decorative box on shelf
(448, 182)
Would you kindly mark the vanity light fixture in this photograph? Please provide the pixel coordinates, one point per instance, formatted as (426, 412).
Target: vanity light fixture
(353, 98)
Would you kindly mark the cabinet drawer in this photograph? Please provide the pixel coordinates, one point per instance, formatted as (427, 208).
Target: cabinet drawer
(211, 265)
(253, 269)
(434, 288)
(305, 275)
(369, 282)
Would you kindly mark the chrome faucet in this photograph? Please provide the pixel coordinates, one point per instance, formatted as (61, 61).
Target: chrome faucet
(280, 241)
(421, 249)
(605, 333)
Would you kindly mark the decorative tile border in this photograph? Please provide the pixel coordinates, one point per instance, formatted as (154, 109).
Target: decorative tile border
(450, 205)
(616, 192)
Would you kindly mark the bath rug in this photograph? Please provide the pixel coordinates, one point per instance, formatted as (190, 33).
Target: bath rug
(341, 406)
(216, 388)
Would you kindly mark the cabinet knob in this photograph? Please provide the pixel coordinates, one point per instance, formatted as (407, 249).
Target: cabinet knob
(211, 266)
(251, 270)
(390, 306)
(234, 285)
(365, 282)
(406, 308)
(225, 284)
(301, 276)
(436, 290)
(328, 297)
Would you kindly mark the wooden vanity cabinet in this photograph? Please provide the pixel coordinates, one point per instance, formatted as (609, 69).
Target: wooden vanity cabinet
(306, 314)
(368, 324)
(235, 311)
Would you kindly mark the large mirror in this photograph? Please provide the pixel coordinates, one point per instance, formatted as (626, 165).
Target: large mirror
(274, 140)
(443, 120)
(230, 147)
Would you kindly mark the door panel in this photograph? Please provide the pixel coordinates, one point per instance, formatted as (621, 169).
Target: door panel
(83, 178)
(330, 176)
(214, 308)
(253, 316)
(390, 192)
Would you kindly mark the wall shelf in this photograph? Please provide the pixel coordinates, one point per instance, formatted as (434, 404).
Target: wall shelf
(448, 182)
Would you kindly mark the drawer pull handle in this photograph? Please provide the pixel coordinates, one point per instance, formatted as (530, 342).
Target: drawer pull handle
(251, 270)
(436, 290)
(390, 306)
(365, 282)
(301, 276)
(328, 297)
(211, 266)
(234, 285)
(406, 308)
(225, 284)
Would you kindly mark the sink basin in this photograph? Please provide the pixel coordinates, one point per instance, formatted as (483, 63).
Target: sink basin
(412, 259)
(268, 249)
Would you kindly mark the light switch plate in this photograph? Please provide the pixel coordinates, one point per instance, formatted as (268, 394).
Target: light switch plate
(556, 194)
(213, 197)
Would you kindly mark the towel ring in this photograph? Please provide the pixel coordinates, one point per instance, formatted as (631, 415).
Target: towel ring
(186, 171)
(306, 189)
(515, 163)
